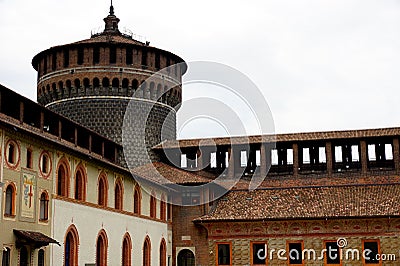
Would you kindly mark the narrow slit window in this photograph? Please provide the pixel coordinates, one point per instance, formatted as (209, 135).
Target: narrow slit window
(213, 160)
(29, 159)
(11, 153)
(113, 55)
(322, 155)
(371, 152)
(355, 155)
(338, 154)
(243, 158)
(306, 155)
(290, 156)
(388, 152)
(274, 157)
(183, 161)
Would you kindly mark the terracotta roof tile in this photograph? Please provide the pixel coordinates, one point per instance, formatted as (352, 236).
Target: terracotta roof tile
(106, 38)
(308, 202)
(34, 237)
(165, 174)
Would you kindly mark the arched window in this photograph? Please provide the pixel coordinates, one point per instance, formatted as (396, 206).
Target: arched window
(44, 207)
(137, 200)
(135, 84)
(54, 89)
(101, 249)
(127, 250)
(125, 83)
(77, 83)
(152, 91)
(86, 83)
(10, 201)
(106, 82)
(80, 183)
(45, 163)
(118, 194)
(186, 258)
(68, 84)
(102, 190)
(23, 256)
(41, 257)
(61, 87)
(163, 209)
(163, 253)
(96, 83)
(147, 252)
(6, 261)
(115, 83)
(71, 247)
(153, 206)
(63, 178)
(12, 152)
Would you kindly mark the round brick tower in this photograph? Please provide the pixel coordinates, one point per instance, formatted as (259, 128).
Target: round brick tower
(92, 81)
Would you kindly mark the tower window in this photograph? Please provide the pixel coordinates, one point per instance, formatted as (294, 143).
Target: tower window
(129, 56)
(66, 57)
(113, 55)
(96, 55)
(144, 58)
(80, 56)
(44, 207)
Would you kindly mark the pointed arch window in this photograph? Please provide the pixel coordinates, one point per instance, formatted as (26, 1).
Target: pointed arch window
(163, 253)
(147, 252)
(137, 200)
(80, 184)
(44, 207)
(102, 190)
(127, 250)
(163, 209)
(118, 194)
(153, 206)
(71, 247)
(9, 210)
(101, 249)
(63, 179)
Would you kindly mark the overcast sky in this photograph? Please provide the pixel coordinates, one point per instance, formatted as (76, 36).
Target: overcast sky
(321, 65)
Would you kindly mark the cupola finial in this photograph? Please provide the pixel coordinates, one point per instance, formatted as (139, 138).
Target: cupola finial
(111, 9)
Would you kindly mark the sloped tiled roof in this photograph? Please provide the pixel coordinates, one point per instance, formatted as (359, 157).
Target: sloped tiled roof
(164, 174)
(107, 38)
(308, 136)
(308, 203)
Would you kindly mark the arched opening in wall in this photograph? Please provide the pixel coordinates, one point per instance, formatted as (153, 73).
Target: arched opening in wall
(102, 190)
(101, 249)
(68, 84)
(127, 250)
(77, 83)
(80, 184)
(96, 83)
(61, 88)
(153, 206)
(137, 200)
(125, 83)
(105, 83)
(86, 83)
(6, 260)
(118, 194)
(142, 89)
(115, 83)
(163, 208)
(159, 93)
(41, 257)
(152, 91)
(147, 252)
(163, 253)
(48, 92)
(164, 95)
(62, 178)
(9, 207)
(44, 207)
(135, 84)
(23, 256)
(186, 258)
(54, 90)
(71, 247)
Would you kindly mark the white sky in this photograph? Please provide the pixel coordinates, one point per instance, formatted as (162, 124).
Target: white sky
(321, 64)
